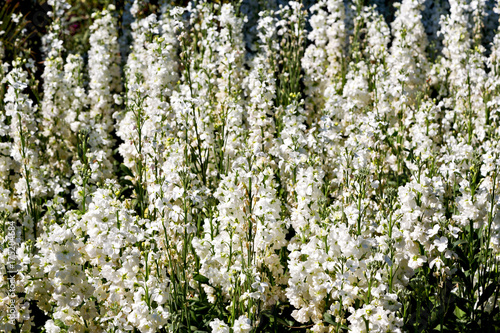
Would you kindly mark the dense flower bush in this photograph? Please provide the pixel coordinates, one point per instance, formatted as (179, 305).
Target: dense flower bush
(262, 166)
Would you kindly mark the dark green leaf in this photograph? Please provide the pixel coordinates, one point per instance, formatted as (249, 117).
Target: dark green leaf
(126, 170)
(283, 322)
(462, 304)
(328, 318)
(200, 278)
(266, 313)
(59, 323)
(463, 278)
(487, 293)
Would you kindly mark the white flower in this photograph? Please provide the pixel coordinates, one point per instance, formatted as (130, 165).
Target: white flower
(16, 17)
(436, 262)
(416, 261)
(242, 325)
(441, 243)
(219, 326)
(51, 327)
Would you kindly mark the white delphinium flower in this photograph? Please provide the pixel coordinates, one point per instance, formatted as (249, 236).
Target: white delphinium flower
(21, 188)
(176, 130)
(457, 40)
(314, 61)
(177, 190)
(379, 172)
(270, 233)
(51, 327)
(60, 278)
(261, 88)
(330, 129)
(231, 50)
(130, 124)
(337, 266)
(440, 243)
(194, 101)
(378, 34)
(267, 34)
(356, 176)
(104, 75)
(242, 325)
(421, 210)
(75, 113)
(25, 151)
(58, 8)
(423, 129)
(322, 60)
(294, 140)
(335, 31)
(227, 236)
(478, 13)
(474, 201)
(51, 41)
(307, 190)
(374, 318)
(355, 91)
(56, 104)
(240, 244)
(469, 99)
(219, 326)
(291, 24)
(143, 31)
(309, 284)
(215, 115)
(408, 62)
(159, 121)
(151, 75)
(117, 271)
(302, 183)
(77, 116)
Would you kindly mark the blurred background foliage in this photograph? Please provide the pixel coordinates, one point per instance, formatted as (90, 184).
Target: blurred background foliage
(23, 38)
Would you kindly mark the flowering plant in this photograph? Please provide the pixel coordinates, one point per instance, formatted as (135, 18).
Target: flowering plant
(259, 166)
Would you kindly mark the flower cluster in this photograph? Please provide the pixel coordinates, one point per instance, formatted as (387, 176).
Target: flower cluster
(259, 167)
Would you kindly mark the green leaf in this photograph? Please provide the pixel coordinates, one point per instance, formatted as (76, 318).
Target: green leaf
(59, 323)
(283, 322)
(463, 278)
(127, 182)
(461, 315)
(126, 170)
(487, 293)
(328, 318)
(462, 304)
(200, 278)
(266, 313)
(461, 255)
(440, 327)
